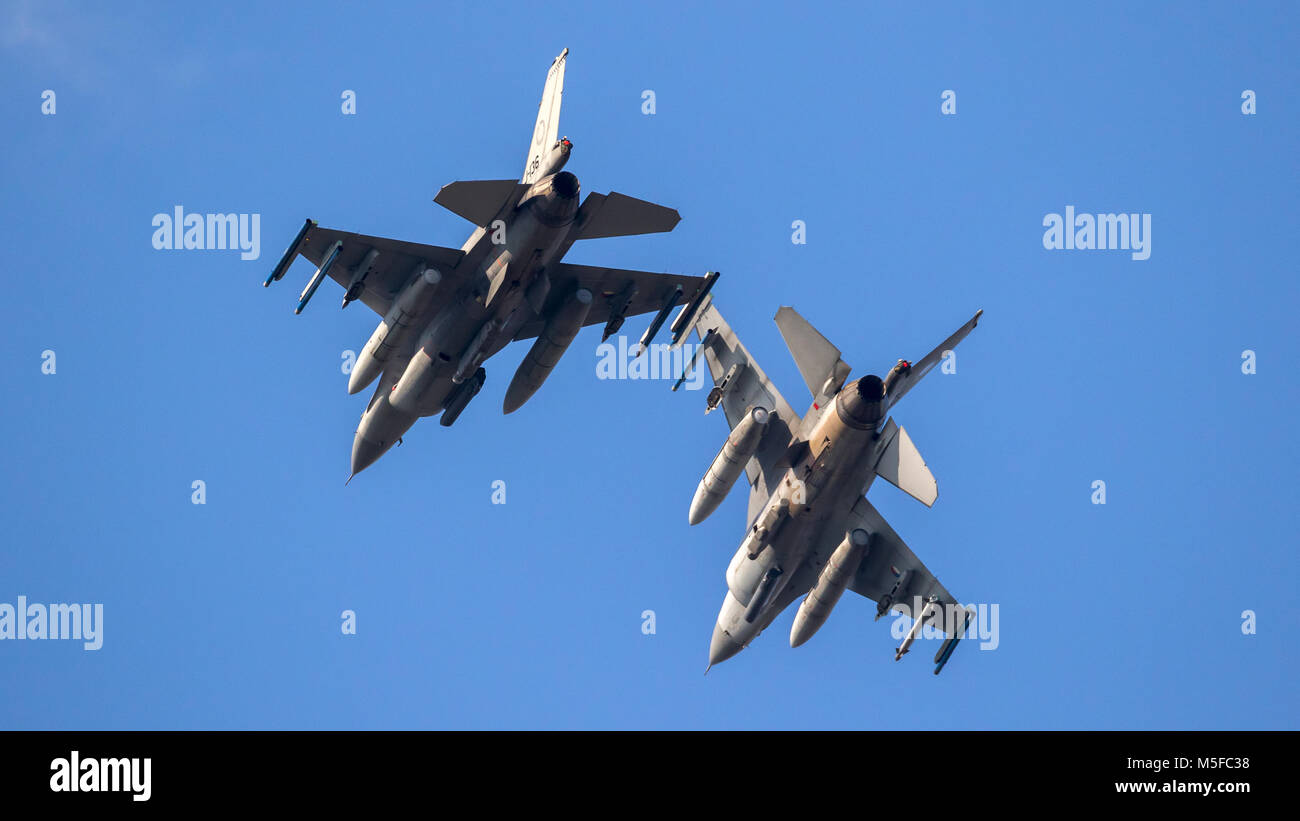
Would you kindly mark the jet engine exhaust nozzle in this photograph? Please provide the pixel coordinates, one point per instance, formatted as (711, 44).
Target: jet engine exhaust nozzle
(565, 185)
(553, 200)
(862, 404)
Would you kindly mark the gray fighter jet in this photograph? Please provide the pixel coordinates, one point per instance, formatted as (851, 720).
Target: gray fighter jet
(445, 311)
(811, 529)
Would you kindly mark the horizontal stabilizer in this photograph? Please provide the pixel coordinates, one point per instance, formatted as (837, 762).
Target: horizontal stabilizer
(616, 215)
(479, 201)
(817, 359)
(902, 466)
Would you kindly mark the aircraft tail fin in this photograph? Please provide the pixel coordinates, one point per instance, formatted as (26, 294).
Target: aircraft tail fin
(818, 360)
(547, 128)
(903, 467)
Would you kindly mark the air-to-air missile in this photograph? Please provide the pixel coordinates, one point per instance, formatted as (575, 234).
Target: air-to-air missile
(682, 323)
(670, 299)
(277, 273)
(695, 356)
(331, 256)
(950, 644)
(927, 610)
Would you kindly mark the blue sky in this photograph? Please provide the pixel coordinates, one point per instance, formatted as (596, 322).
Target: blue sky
(176, 366)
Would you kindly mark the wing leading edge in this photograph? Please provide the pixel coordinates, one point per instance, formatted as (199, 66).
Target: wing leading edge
(607, 285)
(389, 270)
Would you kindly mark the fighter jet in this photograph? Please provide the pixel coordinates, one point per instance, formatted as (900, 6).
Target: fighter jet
(812, 533)
(445, 311)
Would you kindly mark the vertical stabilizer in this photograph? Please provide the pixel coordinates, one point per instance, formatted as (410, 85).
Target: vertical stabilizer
(547, 129)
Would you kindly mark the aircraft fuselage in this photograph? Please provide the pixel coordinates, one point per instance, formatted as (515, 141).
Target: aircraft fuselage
(507, 288)
(789, 542)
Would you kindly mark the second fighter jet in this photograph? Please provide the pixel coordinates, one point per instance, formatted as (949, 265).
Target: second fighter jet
(811, 531)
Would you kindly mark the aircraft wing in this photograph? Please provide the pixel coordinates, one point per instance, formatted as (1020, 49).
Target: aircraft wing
(606, 285)
(392, 269)
(888, 558)
(920, 369)
(747, 387)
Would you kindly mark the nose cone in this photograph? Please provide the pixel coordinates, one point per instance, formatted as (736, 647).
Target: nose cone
(722, 647)
(365, 452)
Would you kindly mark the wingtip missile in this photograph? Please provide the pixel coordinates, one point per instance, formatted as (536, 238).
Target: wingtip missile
(682, 324)
(945, 650)
(277, 273)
